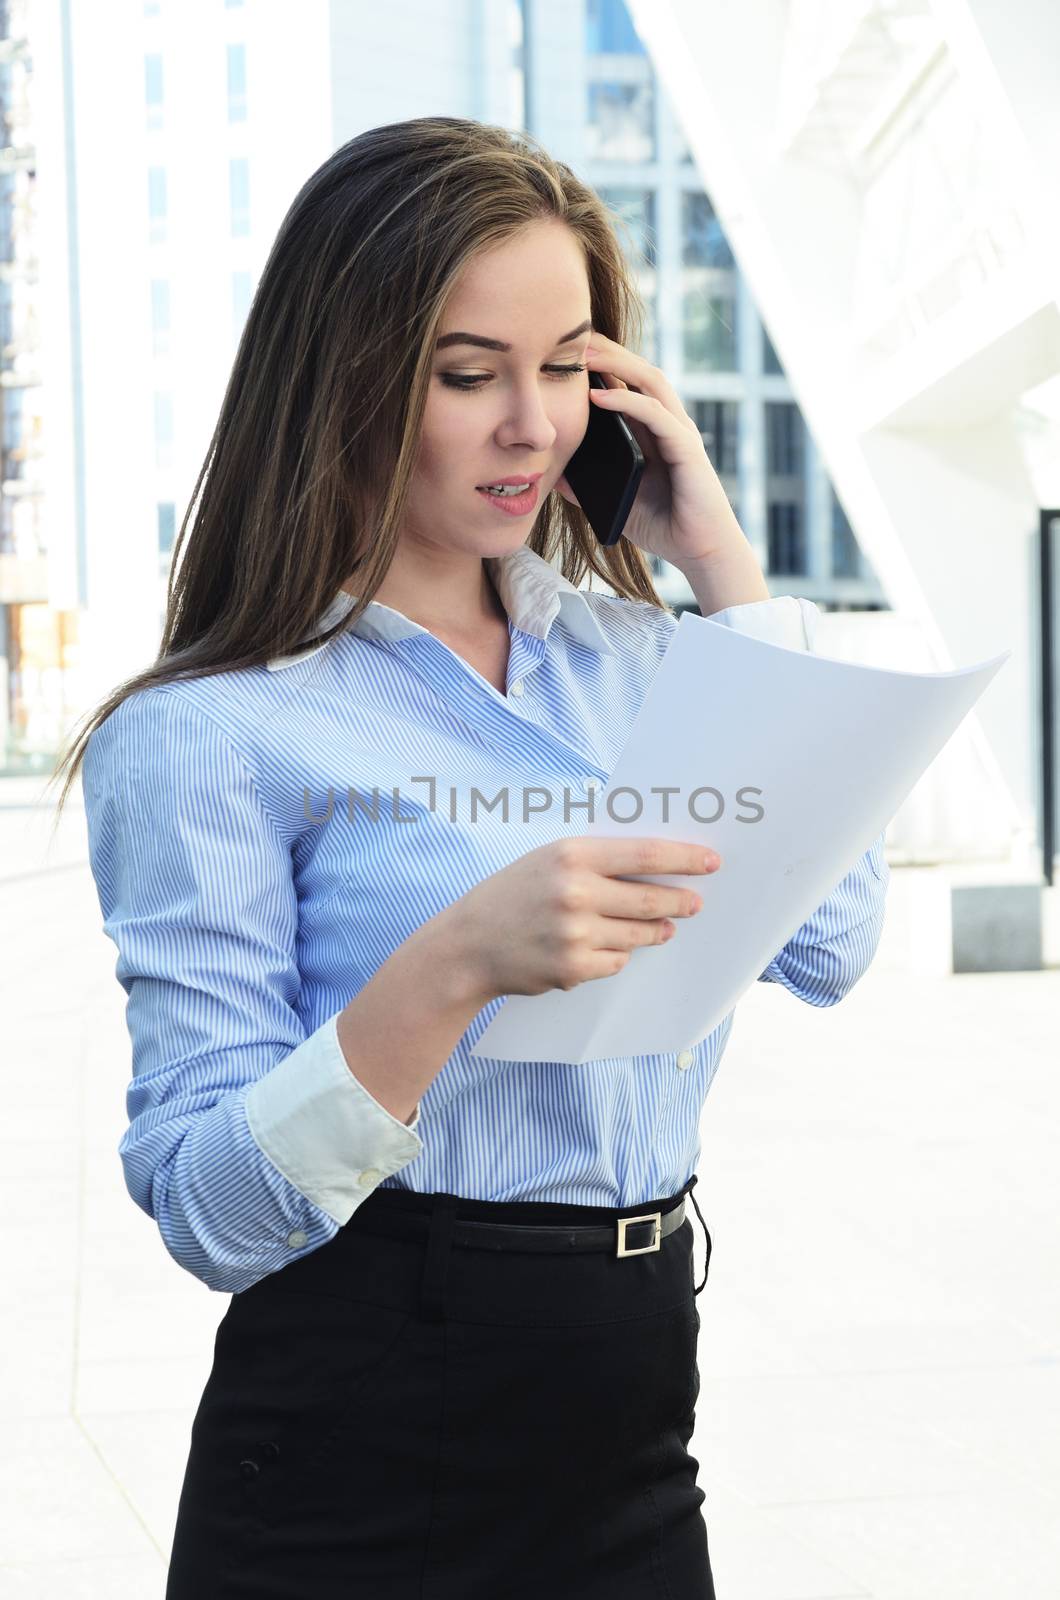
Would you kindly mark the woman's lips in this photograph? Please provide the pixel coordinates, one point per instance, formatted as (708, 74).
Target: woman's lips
(516, 505)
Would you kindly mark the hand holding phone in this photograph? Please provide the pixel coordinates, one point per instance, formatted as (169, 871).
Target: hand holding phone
(605, 470)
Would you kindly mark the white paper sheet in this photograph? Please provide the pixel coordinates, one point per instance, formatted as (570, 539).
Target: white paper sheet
(827, 750)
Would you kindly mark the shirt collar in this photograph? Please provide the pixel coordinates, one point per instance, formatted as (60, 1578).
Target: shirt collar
(531, 590)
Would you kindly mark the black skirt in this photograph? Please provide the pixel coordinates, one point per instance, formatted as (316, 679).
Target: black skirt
(400, 1415)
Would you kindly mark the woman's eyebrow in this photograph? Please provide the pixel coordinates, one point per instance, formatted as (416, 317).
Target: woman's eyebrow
(499, 344)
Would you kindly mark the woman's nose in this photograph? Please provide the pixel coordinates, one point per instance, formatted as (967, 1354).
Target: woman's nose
(527, 421)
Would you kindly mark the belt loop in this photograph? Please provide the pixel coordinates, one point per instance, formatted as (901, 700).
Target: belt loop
(436, 1257)
(706, 1265)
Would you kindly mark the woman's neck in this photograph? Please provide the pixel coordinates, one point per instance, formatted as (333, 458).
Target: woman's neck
(448, 611)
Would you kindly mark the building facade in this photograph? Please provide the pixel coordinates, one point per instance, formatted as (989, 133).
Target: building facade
(171, 145)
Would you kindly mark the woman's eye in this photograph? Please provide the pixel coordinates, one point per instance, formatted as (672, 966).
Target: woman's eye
(456, 381)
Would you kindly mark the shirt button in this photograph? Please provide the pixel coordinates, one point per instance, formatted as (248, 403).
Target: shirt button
(369, 1175)
(516, 688)
(297, 1239)
(686, 1058)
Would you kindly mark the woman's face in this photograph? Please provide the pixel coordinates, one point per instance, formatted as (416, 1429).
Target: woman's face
(494, 414)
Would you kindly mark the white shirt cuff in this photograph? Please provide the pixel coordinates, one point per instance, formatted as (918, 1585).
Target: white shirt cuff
(788, 619)
(321, 1128)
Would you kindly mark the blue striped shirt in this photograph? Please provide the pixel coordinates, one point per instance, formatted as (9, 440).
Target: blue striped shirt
(246, 917)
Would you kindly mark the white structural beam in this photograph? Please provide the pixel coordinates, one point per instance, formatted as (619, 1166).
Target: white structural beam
(882, 169)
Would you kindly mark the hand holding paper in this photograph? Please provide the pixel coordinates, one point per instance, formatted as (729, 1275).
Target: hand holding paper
(788, 764)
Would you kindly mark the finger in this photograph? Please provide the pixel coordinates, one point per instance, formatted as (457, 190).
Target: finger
(615, 897)
(614, 857)
(631, 371)
(618, 933)
(645, 436)
(653, 414)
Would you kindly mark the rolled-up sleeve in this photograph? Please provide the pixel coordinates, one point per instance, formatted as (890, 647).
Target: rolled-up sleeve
(825, 957)
(249, 1142)
(787, 619)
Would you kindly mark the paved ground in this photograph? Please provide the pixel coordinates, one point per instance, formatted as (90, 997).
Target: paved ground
(880, 1355)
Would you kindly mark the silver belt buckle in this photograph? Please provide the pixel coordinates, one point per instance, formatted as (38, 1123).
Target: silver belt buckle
(640, 1249)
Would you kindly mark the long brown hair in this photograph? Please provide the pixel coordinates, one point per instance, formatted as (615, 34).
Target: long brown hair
(307, 473)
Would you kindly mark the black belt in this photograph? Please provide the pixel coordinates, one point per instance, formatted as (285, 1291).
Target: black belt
(626, 1236)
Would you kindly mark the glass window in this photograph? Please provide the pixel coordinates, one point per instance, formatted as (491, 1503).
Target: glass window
(160, 315)
(516, 72)
(649, 344)
(7, 313)
(719, 423)
(239, 195)
(621, 122)
(846, 552)
(770, 359)
(709, 288)
(785, 439)
(787, 553)
(14, 405)
(163, 429)
(703, 242)
(240, 301)
(636, 207)
(682, 146)
(167, 526)
(153, 90)
(156, 203)
(237, 83)
(8, 205)
(708, 329)
(609, 29)
(635, 228)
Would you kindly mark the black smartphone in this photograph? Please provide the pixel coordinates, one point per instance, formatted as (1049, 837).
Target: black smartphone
(605, 470)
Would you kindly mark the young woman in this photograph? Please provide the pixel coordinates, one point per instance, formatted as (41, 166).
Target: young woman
(453, 1365)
